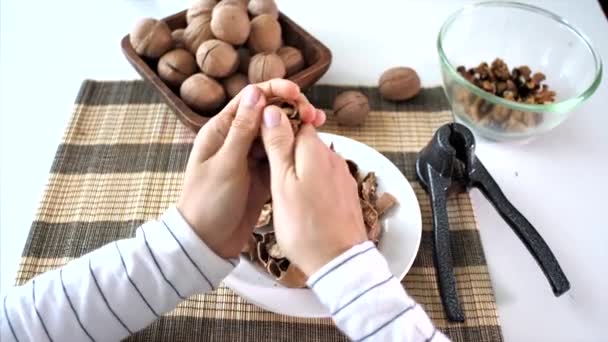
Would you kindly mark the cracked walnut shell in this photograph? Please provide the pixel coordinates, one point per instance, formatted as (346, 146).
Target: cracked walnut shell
(176, 66)
(217, 58)
(398, 84)
(151, 38)
(264, 67)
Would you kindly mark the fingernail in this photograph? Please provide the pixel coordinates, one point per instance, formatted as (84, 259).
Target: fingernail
(251, 96)
(272, 117)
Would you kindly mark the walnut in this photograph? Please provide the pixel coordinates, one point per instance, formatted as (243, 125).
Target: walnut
(178, 38)
(259, 7)
(519, 85)
(200, 8)
(234, 84)
(197, 32)
(398, 84)
(231, 24)
(265, 34)
(176, 66)
(264, 67)
(292, 58)
(351, 108)
(202, 93)
(217, 58)
(240, 3)
(151, 38)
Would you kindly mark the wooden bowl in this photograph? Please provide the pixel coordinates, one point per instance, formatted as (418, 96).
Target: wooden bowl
(316, 55)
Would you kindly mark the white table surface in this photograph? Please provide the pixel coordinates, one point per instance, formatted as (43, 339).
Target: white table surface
(559, 181)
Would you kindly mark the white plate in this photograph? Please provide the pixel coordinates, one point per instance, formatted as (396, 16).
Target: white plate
(402, 229)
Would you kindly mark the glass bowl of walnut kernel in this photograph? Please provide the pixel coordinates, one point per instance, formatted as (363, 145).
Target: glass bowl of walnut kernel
(512, 71)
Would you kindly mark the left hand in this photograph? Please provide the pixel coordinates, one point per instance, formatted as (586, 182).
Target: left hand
(227, 180)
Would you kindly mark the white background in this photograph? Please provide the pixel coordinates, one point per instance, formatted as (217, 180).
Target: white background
(558, 181)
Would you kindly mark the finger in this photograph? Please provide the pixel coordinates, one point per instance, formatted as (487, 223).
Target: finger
(274, 88)
(319, 118)
(213, 134)
(309, 150)
(280, 88)
(278, 141)
(210, 138)
(307, 111)
(245, 126)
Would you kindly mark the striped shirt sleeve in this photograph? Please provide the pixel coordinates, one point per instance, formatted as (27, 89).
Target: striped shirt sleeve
(367, 302)
(115, 290)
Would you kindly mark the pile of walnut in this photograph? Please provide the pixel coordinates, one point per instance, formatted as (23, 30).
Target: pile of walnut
(519, 85)
(225, 46)
(264, 250)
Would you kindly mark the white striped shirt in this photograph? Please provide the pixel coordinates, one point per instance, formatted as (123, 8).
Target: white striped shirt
(122, 287)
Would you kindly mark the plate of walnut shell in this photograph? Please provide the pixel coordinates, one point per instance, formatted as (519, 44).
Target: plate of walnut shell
(392, 218)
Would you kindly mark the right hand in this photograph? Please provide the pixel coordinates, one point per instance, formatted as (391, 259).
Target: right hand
(316, 210)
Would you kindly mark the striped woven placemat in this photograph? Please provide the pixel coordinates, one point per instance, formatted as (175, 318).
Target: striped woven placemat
(121, 163)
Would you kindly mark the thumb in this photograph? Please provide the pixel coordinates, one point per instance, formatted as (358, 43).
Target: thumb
(278, 141)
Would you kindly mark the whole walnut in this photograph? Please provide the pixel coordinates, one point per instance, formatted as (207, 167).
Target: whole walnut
(244, 59)
(258, 7)
(200, 8)
(197, 32)
(202, 93)
(176, 66)
(151, 38)
(292, 58)
(265, 66)
(234, 84)
(217, 58)
(351, 108)
(178, 38)
(265, 34)
(241, 3)
(231, 24)
(400, 83)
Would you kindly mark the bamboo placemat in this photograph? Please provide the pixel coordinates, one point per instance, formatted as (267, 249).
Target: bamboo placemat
(121, 163)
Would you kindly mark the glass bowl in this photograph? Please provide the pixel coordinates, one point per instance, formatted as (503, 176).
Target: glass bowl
(519, 34)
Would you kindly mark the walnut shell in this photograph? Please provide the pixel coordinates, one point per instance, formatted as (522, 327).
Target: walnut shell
(197, 32)
(176, 66)
(178, 38)
(385, 202)
(400, 83)
(292, 58)
(151, 38)
(351, 108)
(234, 84)
(244, 59)
(265, 34)
(202, 93)
(265, 66)
(293, 277)
(200, 8)
(217, 58)
(231, 24)
(259, 7)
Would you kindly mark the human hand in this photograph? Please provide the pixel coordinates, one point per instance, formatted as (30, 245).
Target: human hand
(227, 179)
(316, 210)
